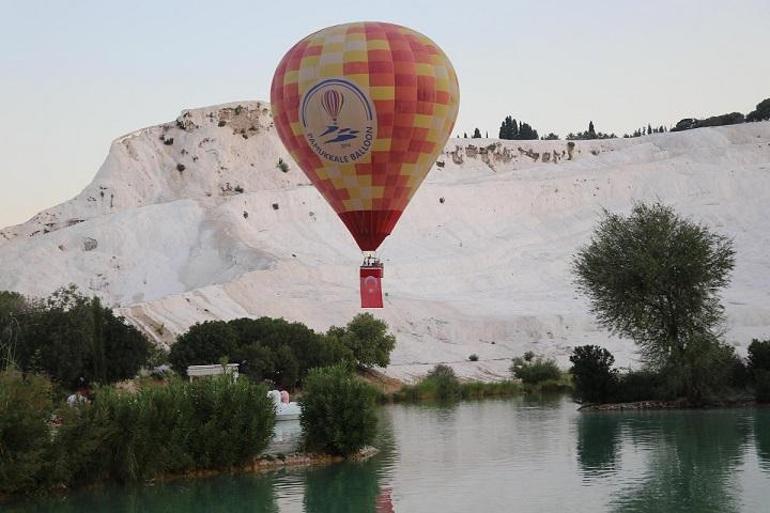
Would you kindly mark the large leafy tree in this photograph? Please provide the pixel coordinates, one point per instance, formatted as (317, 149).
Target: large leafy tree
(69, 336)
(368, 339)
(654, 277)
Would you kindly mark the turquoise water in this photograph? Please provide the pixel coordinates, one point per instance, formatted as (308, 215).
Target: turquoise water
(496, 456)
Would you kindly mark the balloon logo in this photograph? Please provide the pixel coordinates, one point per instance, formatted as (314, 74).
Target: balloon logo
(365, 109)
(332, 103)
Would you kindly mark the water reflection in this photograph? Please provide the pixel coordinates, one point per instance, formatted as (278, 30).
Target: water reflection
(762, 438)
(355, 487)
(689, 458)
(223, 494)
(598, 439)
(524, 455)
(342, 489)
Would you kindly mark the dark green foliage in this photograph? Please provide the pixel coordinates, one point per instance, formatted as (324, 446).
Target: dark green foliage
(533, 370)
(69, 337)
(759, 355)
(368, 340)
(654, 277)
(267, 349)
(204, 343)
(732, 118)
(474, 357)
(761, 113)
(510, 130)
(762, 385)
(759, 368)
(338, 411)
(13, 309)
(632, 386)
(551, 137)
(595, 379)
(590, 134)
(441, 384)
(25, 407)
(476, 134)
(211, 423)
(281, 351)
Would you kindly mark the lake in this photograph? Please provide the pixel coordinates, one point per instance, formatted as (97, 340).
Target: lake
(522, 455)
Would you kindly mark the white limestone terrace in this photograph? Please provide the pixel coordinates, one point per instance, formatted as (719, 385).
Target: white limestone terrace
(193, 220)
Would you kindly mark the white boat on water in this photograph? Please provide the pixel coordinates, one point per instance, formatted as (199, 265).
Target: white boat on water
(284, 409)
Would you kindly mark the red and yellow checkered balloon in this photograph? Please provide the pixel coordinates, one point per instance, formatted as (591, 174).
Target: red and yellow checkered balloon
(365, 109)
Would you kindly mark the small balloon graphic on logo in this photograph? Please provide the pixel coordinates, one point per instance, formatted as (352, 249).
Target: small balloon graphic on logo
(332, 101)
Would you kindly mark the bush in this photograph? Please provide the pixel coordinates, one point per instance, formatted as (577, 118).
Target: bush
(635, 386)
(474, 357)
(275, 349)
(211, 423)
(533, 370)
(283, 166)
(338, 411)
(443, 381)
(25, 408)
(595, 380)
(368, 340)
(708, 373)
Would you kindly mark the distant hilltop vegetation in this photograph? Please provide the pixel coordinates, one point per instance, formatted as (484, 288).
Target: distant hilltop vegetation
(510, 129)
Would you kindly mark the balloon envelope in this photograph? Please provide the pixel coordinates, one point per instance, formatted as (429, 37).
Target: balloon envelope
(365, 109)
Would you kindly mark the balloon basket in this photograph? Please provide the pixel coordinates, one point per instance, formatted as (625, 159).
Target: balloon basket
(371, 286)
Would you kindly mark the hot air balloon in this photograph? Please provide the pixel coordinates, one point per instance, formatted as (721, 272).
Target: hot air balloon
(365, 109)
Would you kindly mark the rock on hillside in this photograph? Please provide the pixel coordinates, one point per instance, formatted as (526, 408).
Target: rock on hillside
(194, 220)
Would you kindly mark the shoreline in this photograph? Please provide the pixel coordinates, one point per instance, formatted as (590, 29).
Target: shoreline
(259, 465)
(270, 462)
(678, 404)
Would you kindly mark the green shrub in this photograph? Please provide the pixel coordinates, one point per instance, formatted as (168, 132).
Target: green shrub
(480, 390)
(707, 375)
(441, 384)
(338, 411)
(535, 370)
(474, 357)
(211, 423)
(595, 379)
(25, 407)
(368, 340)
(635, 386)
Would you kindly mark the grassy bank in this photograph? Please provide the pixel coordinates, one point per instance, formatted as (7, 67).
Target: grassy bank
(441, 384)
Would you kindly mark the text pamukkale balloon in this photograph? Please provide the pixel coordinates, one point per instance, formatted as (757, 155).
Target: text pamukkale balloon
(365, 109)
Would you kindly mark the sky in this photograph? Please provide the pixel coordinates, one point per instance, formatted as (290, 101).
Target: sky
(76, 74)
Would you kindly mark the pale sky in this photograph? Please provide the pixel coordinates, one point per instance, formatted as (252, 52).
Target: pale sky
(76, 74)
